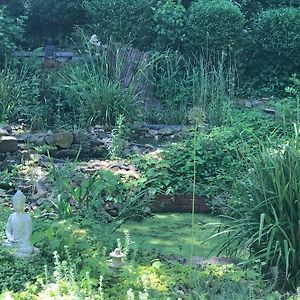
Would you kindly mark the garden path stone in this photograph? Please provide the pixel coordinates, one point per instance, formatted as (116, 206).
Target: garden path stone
(8, 144)
(201, 262)
(61, 139)
(3, 132)
(122, 167)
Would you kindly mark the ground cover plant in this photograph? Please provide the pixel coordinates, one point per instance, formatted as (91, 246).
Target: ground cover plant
(222, 154)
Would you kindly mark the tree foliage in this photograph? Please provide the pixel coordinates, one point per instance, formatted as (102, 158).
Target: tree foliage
(53, 18)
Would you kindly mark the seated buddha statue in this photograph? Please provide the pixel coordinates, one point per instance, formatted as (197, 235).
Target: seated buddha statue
(19, 229)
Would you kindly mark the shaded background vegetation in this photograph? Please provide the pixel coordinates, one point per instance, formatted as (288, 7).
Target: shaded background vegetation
(263, 36)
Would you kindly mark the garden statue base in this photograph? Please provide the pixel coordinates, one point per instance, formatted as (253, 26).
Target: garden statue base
(28, 253)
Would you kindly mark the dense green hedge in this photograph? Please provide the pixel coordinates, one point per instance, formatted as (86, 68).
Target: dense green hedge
(124, 21)
(273, 50)
(251, 7)
(214, 24)
(170, 18)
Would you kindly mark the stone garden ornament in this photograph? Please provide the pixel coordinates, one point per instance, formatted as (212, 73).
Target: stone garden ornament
(116, 263)
(19, 229)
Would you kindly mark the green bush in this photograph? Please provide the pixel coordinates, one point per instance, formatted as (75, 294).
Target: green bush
(222, 155)
(272, 53)
(11, 31)
(170, 18)
(251, 7)
(217, 164)
(123, 21)
(213, 25)
(267, 216)
(15, 273)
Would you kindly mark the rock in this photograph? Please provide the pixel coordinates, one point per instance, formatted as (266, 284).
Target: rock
(220, 260)
(7, 128)
(3, 132)
(37, 139)
(197, 261)
(76, 147)
(65, 153)
(98, 150)
(269, 111)
(147, 210)
(149, 147)
(248, 104)
(79, 136)
(8, 144)
(165, 131)
(152, 132)
(129, 173)
(61, 139)
(111, 209)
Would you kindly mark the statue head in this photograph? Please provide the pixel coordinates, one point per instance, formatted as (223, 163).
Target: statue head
(19, 200)
(49, 41)
(94, 40)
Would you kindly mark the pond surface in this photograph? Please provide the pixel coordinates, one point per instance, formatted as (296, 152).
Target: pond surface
(172, 234)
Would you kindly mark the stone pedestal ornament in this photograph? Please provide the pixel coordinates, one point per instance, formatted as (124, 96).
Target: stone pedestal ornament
(116, 263)
(19, 230)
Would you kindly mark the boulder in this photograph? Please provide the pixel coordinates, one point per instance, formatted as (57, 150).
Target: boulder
(3, 132)
(61, 139)
(64, 153)
(165, 131)
(7, 128)
(8, 144)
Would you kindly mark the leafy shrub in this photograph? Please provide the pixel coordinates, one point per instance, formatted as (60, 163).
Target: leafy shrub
(273, 47)
(216, 165)
(123, 21)
(222, 155)
(213, 25)
(267, 216)
(170, 17)
(217, 282)
(91, 195)
(11, 31)
(251, 7)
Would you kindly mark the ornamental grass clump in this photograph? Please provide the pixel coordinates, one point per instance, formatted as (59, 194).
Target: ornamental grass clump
(267, 219)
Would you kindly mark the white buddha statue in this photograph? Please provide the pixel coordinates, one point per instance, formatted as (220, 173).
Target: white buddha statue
(19, 228)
